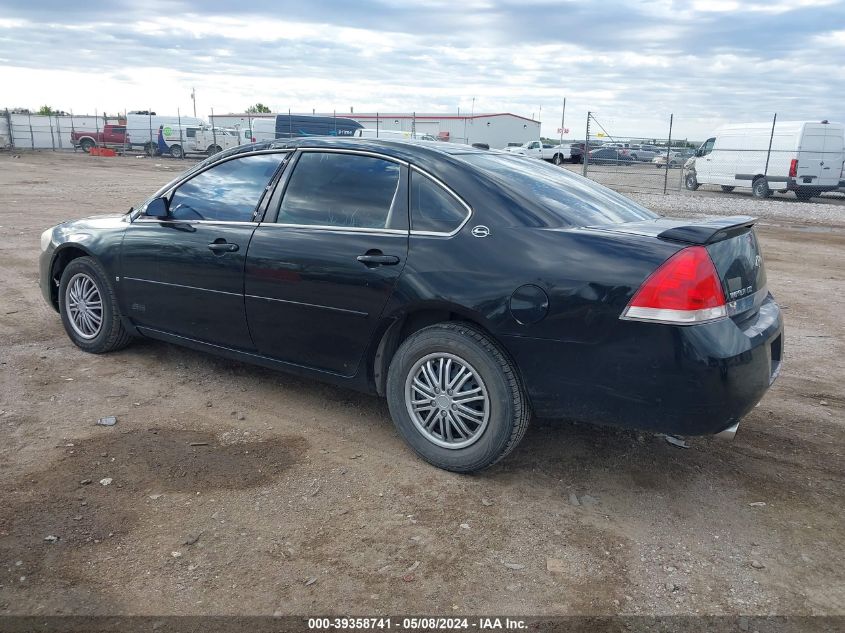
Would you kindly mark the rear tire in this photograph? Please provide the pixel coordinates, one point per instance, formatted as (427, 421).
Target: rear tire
(86, 144)
(444, 432)
(727, 188)
(691, 183)
(176, 151)
(760, 188)
(558, 159)
(99, 330)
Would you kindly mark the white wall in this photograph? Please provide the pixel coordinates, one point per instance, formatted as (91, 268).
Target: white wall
(46, 132)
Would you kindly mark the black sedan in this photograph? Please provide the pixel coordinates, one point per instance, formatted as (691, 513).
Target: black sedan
(470, 288)
(610, 156)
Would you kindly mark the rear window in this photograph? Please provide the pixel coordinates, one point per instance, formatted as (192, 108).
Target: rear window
(575, 200)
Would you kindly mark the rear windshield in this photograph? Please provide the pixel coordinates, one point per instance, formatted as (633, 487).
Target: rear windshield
(575, 200)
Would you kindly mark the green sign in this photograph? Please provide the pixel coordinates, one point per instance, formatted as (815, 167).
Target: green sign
(167, 131)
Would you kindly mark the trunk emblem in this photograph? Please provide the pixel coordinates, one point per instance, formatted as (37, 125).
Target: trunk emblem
(480, 231)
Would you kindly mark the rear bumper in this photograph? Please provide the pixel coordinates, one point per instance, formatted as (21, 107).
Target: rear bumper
(793, 184)
(685, 380)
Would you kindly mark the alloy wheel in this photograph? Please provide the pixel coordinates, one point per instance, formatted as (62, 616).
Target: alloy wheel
(84, 306)
(447, 400)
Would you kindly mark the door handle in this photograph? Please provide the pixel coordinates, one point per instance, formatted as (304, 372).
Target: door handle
(223, 247)
(377, 259)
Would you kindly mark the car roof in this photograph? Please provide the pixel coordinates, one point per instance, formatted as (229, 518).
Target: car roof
(396, 148)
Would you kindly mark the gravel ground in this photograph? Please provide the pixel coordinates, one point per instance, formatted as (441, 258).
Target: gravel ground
(230, 489)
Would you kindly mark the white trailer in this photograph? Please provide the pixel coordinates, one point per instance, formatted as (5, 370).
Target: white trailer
(801, 156)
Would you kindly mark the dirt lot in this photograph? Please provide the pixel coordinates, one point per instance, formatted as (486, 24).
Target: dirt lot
(232, 486)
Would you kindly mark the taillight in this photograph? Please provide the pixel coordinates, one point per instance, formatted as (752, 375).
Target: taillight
(793, 168)
(684, 290)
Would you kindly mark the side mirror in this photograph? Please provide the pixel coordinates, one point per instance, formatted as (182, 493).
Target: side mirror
(157, 208)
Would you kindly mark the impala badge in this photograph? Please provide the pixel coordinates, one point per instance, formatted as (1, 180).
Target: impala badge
(480, 231)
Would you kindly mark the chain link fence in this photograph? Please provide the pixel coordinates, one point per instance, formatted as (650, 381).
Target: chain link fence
(767, 157)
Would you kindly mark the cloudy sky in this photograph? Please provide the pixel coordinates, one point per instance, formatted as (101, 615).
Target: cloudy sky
(707, 61)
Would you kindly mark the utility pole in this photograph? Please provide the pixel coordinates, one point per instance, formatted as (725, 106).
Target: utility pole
(562, 119)
(194, 99)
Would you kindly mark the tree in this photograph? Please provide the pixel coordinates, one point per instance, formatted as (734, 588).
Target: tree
(258, 108)
(46, 110)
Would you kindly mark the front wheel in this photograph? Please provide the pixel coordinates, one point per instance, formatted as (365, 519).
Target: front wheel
(88, 307)
(690, 182)
(455, 398)
(213, 150)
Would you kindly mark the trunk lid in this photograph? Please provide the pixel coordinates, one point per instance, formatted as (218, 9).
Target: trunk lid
(732, 245)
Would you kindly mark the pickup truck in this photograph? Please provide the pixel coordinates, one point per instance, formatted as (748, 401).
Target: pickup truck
(553, 153)
(110, 135)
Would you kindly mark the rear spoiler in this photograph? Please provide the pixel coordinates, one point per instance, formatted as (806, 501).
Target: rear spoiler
(709, 231)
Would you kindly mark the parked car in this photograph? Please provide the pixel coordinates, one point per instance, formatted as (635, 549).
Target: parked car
(640, 154)
(676, 158)
(110, 135)
(311, 262)
(610, 156)
(800, 156)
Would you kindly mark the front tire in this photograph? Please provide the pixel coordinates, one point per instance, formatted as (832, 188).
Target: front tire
(88, 307)
(455, 398)
(690, 182)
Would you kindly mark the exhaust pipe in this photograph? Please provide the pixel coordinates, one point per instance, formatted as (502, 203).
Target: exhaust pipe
(729, 433)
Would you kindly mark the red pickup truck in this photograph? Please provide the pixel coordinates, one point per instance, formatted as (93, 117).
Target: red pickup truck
(110, 135)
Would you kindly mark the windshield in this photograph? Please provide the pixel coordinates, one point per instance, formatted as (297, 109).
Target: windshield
(575, 200)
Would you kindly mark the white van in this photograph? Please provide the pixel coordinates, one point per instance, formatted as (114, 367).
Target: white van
(195, 139)
(142, 129)
(806, 157)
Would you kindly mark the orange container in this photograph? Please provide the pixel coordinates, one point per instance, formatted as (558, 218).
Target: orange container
(102, 151)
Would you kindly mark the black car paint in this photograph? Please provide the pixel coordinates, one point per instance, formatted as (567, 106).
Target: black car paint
(313, 309)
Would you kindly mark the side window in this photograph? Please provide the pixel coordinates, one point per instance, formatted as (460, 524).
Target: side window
(191, 132)
(343, 190)
(433, 209)
(229, 191)
(708, 146)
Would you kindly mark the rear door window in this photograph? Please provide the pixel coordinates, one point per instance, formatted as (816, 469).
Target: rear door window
(344, 190)
(433, 209)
